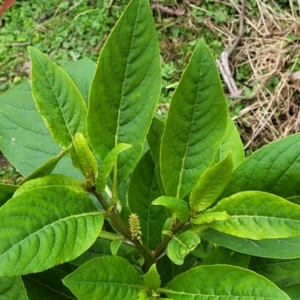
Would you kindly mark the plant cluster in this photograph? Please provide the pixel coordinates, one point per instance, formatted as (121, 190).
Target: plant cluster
(119, 202)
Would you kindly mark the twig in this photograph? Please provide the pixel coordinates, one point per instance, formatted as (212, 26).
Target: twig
(223, 63)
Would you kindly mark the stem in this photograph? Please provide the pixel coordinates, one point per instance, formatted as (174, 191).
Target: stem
(124, 230)
(159, 250)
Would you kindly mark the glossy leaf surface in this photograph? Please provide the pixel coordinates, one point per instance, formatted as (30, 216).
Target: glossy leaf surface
(126, 87)
(273, 168)
(222, 282)
(258, 215)
(211, 184)
(107, 277)
(57, 99)
(195, 125)
(45, 226)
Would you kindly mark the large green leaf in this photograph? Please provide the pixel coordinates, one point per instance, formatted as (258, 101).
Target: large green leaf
(291, 286)
(231, 142)
(274, 248)
(257, 215)
(57, 99)
(222, 282)
(195, 125)
(47, 285)
(126, 87)
(275, 269)
(45, 226)
(143, 189)
(211, 184)
(12, 288)
(23, 133)
(274, 168)
(108, 277)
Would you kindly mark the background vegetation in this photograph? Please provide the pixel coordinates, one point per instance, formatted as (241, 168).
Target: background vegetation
(265, 64)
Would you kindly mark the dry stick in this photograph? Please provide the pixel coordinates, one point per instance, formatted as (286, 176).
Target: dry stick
(223, 63)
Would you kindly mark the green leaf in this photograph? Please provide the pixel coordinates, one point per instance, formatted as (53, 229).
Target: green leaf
(82, 72)
(83, 158)
(12, 288)
(178, 207)
(50, 180)
(211, 184)
(258, 215)
(154, 140)
(46, 168)
(43, 227)
(273, 168)
(209, 217)
(231, 142)
(126, 87)
(226, 256)
(57, 99)
(47, 285)
(274, 248)
(195, 125)
(275, 269)
(108, 277)
(6, 192)
(107, 165)
(180, 246)
(22, 143)
(115, 245)
(143, 189)
(291, 286)
(152, 278)
(221, 282)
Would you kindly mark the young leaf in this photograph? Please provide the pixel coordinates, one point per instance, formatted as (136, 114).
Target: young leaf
(221, 281)
(195, 125)
(178, 207)
(258, 215)
(12, 288)
(209, 217)
(43, 227)
(57, 99)
(107, 165)
(276, 248)
(46, 168)
(211, 184)
(273, 168)
(154, 140)
(47, 285)
(180, 246)
(231, 142)
(83, 158)
(152, 278)
(126, 87)
(115, 245)
(226, 256)
(107, 277)
(143, 189)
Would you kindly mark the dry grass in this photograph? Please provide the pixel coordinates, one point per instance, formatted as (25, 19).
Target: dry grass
(270, 46)
(270, 49)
